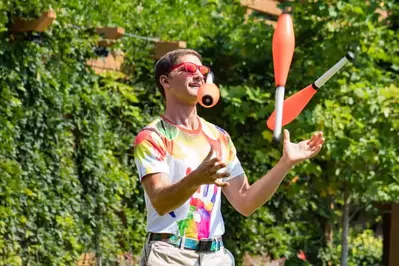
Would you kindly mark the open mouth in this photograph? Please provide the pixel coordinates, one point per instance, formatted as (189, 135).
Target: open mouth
(194, 85)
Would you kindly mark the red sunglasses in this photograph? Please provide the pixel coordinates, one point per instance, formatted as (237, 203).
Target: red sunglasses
(192, 68)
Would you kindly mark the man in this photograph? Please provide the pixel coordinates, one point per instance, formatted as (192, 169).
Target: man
(185, 162)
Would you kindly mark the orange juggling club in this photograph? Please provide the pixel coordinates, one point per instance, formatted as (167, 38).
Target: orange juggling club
(283, 45)
(294, 104)
(208, 94)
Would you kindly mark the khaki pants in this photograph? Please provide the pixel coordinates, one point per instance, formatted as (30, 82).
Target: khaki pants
(159, 253)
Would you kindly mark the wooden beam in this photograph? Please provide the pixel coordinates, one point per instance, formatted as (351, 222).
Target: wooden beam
(162, 47)
(267, 21)
(264, 6)
(112, 33)
(112, 62)
(40, 24)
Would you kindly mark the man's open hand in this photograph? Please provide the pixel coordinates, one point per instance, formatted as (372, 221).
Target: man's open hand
(297, 152)
(207, 172)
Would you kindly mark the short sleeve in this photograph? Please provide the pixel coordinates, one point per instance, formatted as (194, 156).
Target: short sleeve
(150, 153)
(233, 165)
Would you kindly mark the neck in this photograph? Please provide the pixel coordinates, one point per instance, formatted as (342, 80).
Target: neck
(181, 114)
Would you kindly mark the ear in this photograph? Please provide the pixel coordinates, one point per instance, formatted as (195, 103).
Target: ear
(164, 81)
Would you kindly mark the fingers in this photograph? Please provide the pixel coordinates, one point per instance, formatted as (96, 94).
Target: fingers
(320, 141)
(286, 135)
(218, 177)
(315, 139)
(209, 163)
(222, 175)
(217, 167)
(316, 150)
(210, 172)
(210, 153)
(213, 161)
(311, 140)
(220, 183)
(318, 145)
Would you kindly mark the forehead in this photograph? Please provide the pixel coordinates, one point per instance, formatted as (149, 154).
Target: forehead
(188, 58)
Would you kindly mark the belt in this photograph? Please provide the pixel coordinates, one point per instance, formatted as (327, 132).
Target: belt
(203, 245)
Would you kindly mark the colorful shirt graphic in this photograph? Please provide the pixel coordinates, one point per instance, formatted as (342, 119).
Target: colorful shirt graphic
(162, 147)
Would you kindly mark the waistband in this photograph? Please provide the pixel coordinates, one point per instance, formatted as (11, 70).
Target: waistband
(203, 245)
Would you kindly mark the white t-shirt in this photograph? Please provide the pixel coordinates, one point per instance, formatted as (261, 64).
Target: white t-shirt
(162, 147)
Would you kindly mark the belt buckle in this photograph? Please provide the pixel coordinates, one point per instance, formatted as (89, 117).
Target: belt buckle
(205, 245)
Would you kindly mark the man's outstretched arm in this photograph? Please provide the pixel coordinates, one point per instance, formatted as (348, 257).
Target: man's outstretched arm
(247, 198)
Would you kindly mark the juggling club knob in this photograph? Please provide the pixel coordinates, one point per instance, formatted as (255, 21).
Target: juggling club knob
(208, 95)
(207, 100)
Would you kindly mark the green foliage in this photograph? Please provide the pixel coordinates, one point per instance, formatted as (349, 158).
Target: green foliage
(364, 249)
(68, 184)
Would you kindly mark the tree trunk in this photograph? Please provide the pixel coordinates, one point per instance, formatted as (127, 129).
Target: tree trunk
(328, 227)
(345, 227)
(328, 233)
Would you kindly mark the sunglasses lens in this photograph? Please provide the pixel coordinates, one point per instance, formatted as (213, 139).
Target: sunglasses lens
(190, 68)
(204, 70)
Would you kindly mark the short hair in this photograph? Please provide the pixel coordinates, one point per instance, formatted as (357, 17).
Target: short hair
(165, 63)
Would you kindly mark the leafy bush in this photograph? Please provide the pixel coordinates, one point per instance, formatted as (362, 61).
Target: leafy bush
(364, 249)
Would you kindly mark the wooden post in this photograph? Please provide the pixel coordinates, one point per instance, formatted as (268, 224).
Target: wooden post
(390, 214)
(87, 259)
(40, 24)
(162, 47)
(394, 236)
(386, 237)
(112, 62)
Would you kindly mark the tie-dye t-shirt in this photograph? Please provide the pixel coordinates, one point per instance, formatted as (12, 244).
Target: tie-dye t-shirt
(162, 147)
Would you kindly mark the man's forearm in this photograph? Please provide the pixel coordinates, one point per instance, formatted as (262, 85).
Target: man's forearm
(170, 197)
(264, 188)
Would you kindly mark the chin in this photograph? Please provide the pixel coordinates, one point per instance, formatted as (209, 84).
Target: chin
(192, 92)
(193, 99)
(189, 99)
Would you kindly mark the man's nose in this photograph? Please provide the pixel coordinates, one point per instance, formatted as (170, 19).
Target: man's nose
(198, 76)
